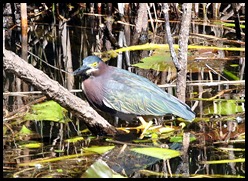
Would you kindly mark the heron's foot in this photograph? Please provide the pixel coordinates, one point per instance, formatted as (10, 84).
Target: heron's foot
(144, 125)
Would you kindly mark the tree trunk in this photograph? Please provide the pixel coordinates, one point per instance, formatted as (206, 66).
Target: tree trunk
(183, 50)
(141, 23)
(109, 23)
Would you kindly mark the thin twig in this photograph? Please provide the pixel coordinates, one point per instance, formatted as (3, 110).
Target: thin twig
(44, 61)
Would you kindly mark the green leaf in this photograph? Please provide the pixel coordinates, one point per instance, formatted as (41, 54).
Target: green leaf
(234, 65)
(179, 139)
(74, 140)
(4, 130)
(100, 169)
(230, 24)
(25, 131)
(225, 107)
(99, 149)
(59, 170)
(230, 75)
(161, 153)
(31, 145)
(166, 130)
(241, 160)
(159, 61)
(49, 110)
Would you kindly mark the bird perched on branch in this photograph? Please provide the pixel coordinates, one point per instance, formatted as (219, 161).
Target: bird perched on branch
(126, 95)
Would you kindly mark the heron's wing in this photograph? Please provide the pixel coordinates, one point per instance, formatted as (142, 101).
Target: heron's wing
(132, 94)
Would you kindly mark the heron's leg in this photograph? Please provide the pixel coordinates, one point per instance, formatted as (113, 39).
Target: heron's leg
(116, 121)
(145, 126)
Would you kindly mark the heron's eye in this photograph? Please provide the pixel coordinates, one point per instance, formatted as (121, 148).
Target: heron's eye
(94, 64)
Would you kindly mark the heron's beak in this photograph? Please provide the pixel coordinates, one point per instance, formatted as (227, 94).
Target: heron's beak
(80, 71)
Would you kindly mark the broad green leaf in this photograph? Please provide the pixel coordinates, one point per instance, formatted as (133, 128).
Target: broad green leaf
(225, 107)
(99, 149)
(49, 110)
(159, 61)
(161, 153)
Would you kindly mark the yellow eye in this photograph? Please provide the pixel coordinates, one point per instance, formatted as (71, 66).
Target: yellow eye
(94, 64)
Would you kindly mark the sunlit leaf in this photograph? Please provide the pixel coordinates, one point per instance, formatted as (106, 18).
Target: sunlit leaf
(49, 110)
(224, 161)
(74, 140)
(59, 170)
(179, 139)
(225, 107)
(25, 131)
(159, 61)
(161, 153)
(166, 129)
(61, 158)
(99, 149)
(234, 65)
(230, 24)
(153, 46)
(100, 170)
(31, 145)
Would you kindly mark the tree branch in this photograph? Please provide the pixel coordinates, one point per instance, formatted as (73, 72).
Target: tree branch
(165, 9)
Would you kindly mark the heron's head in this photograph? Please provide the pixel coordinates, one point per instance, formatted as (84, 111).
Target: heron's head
(90, 65)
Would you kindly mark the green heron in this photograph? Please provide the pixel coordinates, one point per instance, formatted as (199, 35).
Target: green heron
(125, 94)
